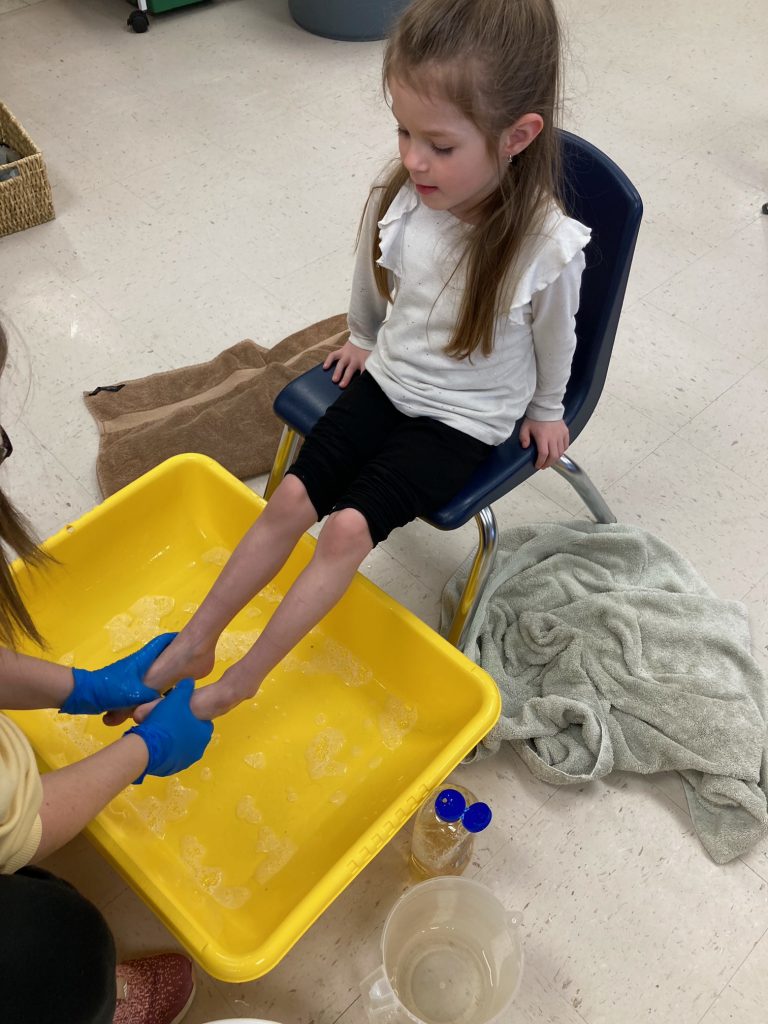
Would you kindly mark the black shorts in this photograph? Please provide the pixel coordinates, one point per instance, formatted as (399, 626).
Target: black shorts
(365, 454)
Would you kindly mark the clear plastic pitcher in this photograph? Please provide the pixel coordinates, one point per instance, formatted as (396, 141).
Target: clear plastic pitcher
(451, 954)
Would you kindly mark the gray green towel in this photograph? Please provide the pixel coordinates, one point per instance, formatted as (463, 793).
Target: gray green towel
(612, 653)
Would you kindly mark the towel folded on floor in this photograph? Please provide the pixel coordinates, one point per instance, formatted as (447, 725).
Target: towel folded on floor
(611, 653)
(222, 408)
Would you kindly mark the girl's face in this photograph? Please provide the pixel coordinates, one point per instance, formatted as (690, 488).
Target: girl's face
(445, 154)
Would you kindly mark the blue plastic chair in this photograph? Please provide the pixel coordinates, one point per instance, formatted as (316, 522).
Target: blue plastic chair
(600, 195)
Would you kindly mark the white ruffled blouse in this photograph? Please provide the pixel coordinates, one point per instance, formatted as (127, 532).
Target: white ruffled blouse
(528, 369)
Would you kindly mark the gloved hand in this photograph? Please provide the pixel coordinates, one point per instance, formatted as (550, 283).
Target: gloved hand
(175, 739)
(119, 685)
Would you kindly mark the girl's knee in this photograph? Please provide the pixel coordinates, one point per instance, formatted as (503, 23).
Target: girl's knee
(290, 489)
(345, 531)
(290, 501)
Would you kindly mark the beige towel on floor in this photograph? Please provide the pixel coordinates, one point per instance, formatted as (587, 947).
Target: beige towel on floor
(222, 408)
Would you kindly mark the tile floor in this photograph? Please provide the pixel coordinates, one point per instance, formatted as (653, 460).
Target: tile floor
(208, 177)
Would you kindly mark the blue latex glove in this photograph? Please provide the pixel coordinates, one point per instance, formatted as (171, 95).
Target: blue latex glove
(175, 739)
(119, 685)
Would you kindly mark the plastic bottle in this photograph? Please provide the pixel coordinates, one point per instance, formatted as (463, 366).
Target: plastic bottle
(444, 831)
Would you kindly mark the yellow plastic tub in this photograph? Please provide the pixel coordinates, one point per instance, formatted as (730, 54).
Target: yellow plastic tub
(299, 788)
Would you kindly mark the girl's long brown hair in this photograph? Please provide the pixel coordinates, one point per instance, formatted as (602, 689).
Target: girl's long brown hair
(15, 532)
(495, 60)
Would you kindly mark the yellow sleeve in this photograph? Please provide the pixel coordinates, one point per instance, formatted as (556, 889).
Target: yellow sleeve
(21, 794)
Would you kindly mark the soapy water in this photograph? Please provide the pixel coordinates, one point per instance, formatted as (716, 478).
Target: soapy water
(216, 556)
(73, 728)
(395, 722)
(270, 594)
(234, 644)
(157, 813)
(321, 753)
(141, 623)
(210, 879)
(443, 978)
(330, 658)
(255, 760)
(247, 810)
(278, 850)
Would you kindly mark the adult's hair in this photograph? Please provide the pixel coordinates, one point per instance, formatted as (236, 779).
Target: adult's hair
(15, 532)
(494, 60)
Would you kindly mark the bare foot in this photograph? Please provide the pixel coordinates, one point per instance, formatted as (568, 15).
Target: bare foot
(211, 701)
(207, 702)
(182, 659)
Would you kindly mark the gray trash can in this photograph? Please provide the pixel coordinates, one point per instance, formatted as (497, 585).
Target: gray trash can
(347, 19)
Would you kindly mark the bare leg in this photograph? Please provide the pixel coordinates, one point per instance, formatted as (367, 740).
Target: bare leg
(255, 561)
(343, 544)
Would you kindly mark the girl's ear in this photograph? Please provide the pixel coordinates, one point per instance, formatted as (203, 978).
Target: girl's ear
(521, 134)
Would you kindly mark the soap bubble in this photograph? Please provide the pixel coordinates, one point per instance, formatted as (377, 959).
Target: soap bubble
(395, 722)
(279, 852)
(321, 752)
(216, 556)
(246, 810)
(234, 644)
(256, 760)
(140, 623)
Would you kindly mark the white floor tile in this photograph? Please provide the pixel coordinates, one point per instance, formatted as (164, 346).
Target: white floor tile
(625, 915)
(39, 484)
(682, 371)
(731, 428)
(744, 998)
(724, 294)
(616, 439)
(711, 515)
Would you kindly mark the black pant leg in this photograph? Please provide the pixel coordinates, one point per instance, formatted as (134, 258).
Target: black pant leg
(57, 954)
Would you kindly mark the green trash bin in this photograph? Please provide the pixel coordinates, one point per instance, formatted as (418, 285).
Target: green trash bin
(351, 20)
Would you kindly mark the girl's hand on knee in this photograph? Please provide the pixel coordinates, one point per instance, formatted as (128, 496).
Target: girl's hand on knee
(350, 359)
(550, 437)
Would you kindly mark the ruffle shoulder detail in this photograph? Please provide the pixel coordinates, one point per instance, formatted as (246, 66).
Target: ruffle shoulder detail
(544, 256)
(392, 230)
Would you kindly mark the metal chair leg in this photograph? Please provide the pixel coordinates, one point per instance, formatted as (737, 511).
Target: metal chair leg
(478, 577)
(584, 487)
(284, 456)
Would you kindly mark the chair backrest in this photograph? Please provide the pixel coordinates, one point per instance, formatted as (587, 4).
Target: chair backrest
(600, 195)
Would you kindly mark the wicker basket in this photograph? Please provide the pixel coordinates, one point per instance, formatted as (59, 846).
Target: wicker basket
(25, 200)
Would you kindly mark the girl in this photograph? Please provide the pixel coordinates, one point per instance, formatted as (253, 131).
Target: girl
(462, 317)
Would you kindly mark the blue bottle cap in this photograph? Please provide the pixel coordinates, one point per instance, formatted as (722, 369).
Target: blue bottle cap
(450, 805)
(476, 817)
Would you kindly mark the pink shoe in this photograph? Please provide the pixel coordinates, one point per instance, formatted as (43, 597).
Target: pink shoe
(154, 989)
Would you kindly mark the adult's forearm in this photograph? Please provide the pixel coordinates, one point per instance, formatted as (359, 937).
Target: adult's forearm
(27, 682)
(74, 795)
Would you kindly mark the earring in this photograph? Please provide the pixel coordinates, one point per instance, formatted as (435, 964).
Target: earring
(510, 158)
